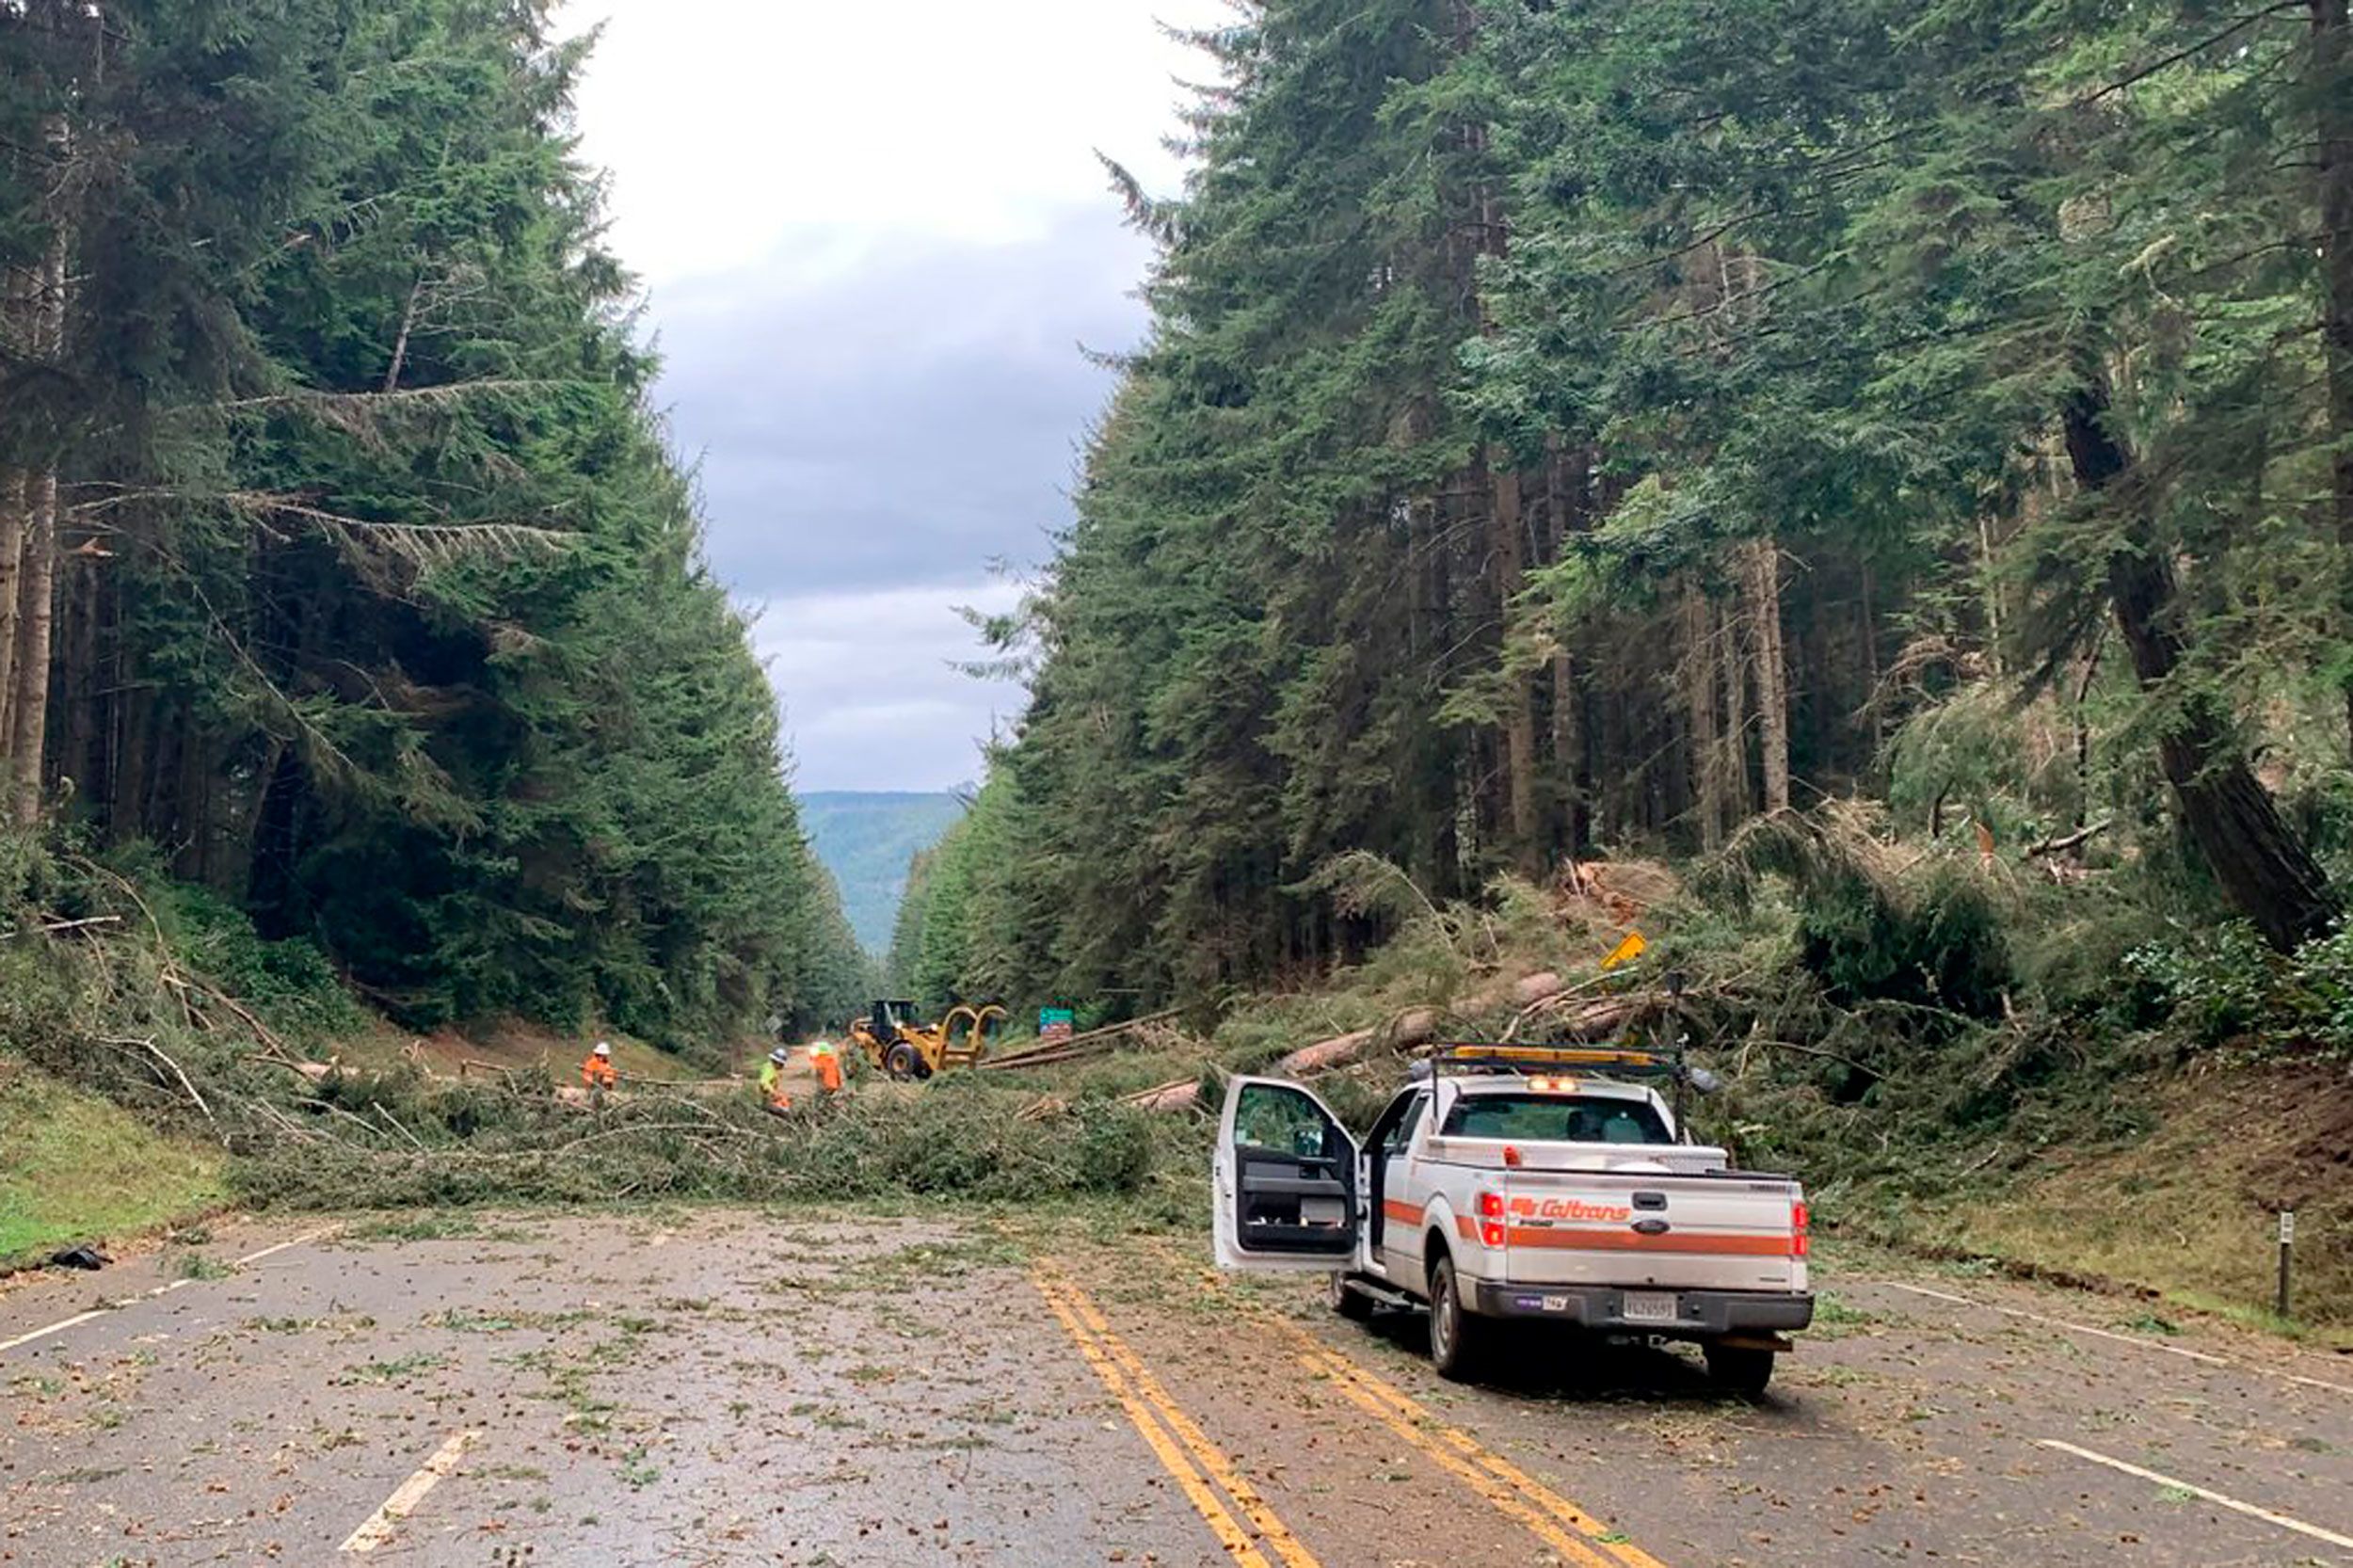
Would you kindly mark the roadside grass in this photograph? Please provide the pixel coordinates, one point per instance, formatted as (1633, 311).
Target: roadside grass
(79, 1168)
(2187, 1212)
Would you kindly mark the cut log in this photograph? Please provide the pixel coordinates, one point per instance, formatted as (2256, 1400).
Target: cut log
(1052, 1051)
(1180, 1095)
(1420, 1026)
(1574, 1018)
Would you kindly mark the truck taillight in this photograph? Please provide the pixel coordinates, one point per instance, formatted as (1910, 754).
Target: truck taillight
(1491, 1218)
(1801, 1245)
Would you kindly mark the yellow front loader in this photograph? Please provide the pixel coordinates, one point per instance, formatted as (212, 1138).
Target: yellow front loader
(903, 1049)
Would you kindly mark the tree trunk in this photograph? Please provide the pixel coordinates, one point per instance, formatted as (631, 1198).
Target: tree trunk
(37, 576)
(28, 736)
(20, 292)
(82, 696)
(133, 724)
(1519, 716)
(400, 343)
(16, 500)
(1732, 755)
(2083, 736)
(1772, 671)
(1699, 697)
(2332, 88)
(2264, 870)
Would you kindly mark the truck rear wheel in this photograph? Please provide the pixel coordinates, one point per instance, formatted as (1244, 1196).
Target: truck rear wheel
(1742, 1369)
(1458, 1338)
(1349, 1303)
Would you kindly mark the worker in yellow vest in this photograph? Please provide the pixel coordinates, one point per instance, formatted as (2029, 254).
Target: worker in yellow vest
(772, 1093)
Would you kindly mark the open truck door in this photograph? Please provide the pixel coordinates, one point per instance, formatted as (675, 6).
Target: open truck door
(1285, 1187)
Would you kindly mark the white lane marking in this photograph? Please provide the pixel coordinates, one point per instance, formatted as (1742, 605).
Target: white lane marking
(165, 1290)
(2266, 1515)
(54, 1328)
(2181, 1350)
(319, 1235)
(2184, 1352)
(385, 1522)
(2316, 1382)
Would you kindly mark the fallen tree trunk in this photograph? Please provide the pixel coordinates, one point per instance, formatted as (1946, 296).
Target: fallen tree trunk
(1050, 1051)
(1532, 995)
(1421, 1026)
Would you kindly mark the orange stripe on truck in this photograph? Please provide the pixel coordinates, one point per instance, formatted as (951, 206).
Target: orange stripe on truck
(1629, 1240)
(1404, 1213)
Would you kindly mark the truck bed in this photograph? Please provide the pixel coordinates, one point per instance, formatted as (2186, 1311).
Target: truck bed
(1631, 1215)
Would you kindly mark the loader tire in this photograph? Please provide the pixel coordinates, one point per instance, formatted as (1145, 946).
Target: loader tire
(903, 1062)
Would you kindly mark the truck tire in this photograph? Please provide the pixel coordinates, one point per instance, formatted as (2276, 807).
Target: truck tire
(902, 1060)
(1457, 1336)
(1742, 1369)
(1354, 1305)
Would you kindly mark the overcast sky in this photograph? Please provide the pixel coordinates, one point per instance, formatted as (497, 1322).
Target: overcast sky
(873, 238)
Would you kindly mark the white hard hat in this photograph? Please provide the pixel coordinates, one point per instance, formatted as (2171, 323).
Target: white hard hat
(603, 1049)
(779, 1054)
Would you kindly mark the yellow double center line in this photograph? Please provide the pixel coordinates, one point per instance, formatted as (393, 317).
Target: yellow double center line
(1568, 1529)
(1181, 1447)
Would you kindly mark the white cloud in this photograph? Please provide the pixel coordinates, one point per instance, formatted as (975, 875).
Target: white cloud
(874, 235)
(872, 697)
(728, 123)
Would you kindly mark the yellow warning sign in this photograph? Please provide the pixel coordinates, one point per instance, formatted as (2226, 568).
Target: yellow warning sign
(1627, 951)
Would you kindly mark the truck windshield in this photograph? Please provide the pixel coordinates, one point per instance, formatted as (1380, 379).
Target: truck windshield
(1555, 1118)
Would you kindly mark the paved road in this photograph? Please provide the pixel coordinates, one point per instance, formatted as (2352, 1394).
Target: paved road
(719, 1388)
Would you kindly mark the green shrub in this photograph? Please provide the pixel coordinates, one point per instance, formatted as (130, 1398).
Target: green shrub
(1942, 947)
(2218, 984)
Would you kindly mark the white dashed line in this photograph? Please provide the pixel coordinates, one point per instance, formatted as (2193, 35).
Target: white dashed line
(54, 1328)
(166, 1289)
(2204, 1357)
(2183, 1351)
(385, 1522)
(2218, 1500)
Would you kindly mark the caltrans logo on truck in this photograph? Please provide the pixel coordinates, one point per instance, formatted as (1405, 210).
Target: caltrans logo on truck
(1569, 1208)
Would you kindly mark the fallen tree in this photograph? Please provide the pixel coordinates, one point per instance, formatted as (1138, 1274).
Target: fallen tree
(1051, 1052)
(1569, 1011)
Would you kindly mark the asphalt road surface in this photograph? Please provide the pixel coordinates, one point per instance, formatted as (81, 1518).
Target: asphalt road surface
(723, 1387)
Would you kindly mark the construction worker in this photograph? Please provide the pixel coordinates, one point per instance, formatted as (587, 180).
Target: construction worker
(827, 1064)
(772, 1091)
(598, 1073)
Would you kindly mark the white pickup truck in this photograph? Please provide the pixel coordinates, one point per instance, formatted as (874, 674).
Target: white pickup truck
(1520, 1182)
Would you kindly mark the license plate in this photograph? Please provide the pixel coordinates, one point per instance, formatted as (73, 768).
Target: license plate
(1322, 1211)
(1650, 1307)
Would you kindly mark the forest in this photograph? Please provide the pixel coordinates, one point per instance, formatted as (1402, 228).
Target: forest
(347, 579)
(1572, 432)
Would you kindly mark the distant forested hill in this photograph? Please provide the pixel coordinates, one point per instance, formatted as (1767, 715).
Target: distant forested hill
(866, 840)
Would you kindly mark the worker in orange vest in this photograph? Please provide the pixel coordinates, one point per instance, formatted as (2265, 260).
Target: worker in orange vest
(828, 1062)
(598, 1072)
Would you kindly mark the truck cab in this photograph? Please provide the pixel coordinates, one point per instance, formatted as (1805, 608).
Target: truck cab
(1551, 1184)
